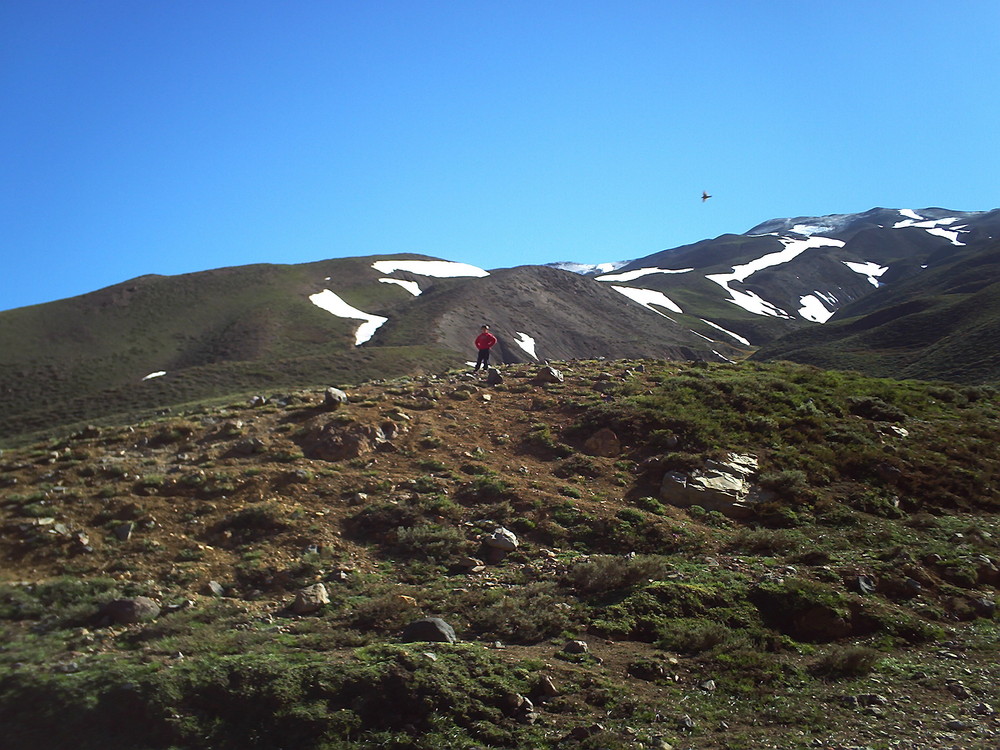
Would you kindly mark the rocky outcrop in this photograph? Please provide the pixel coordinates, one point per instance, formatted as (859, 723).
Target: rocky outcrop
(336, 440)
(723, 486)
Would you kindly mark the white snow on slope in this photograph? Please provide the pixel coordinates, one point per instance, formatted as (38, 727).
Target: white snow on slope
(871, 270)
(728, 333)
(811, 229)
(933, 226)
(411, 286)
(752, 302)
(442, 269)
(649, 297)
(525, 341)
(639, 273)
(588, 269)
(812, 308)
(158, 374)
(950, 235)
(333, 304)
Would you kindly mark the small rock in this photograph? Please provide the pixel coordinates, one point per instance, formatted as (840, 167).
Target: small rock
(549, 375)
(493, 377)
(124, 531)
(310, 599)
(333, 398)
(546, 688)
(576, 647)
(214, 588)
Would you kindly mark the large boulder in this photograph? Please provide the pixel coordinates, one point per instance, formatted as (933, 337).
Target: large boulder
(722, 486)
(310, 599)
(429, 629)
(333, 398)
(132, 610)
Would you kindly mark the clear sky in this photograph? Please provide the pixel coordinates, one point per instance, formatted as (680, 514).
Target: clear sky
(170, 136)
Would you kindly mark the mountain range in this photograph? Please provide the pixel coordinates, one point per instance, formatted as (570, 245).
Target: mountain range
(887, 292)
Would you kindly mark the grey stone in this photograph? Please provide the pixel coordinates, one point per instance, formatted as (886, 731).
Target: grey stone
(333, 398)
(493, 377)
(502, 539)
(128, 611)
(214, 588)
(549, 375)
(576, 647)
(310, 599)
(721, 486)
(429, 629)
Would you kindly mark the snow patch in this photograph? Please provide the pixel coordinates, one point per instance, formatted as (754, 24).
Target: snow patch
(327, 300)
(442, 269)
(527, 343)
(752, 302)
(950, 235)
(728, 333)
(589, 269)
(812, 308)
(157, 374)
(411, 286)
(871, 270)
(909, 214)
(811, 229)
(722, 357)
(649, 297)
(639, 273)
(702, 335)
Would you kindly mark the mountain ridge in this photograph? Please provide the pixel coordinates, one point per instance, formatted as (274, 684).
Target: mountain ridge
(263, 325)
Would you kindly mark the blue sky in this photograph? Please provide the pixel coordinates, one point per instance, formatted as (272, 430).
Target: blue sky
(171, 136)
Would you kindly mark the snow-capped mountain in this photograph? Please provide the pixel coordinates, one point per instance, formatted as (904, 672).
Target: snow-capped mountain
(159, 340)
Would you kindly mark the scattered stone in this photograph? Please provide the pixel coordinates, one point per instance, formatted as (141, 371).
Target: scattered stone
(546, 688)
(707, 685)
(864, 585)
(429, 629)
(493, 377)
(214, 588)
(310, 599)
(604, 442)
(128, 611)
(959, 690)
(647, 669)
(333, 399)
(549, 375)
(983, 709)
(576, 647)
(248, 447)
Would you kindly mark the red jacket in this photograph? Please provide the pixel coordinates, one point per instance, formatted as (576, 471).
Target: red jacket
(485, 340)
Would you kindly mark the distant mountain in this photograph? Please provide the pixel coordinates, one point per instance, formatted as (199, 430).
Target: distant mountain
(156, 341)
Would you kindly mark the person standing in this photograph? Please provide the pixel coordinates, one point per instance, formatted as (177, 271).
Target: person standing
(484, 342)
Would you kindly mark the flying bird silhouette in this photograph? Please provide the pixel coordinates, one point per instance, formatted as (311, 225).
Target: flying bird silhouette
(704, 196)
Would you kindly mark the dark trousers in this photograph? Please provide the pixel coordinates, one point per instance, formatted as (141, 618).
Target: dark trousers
(483, 359)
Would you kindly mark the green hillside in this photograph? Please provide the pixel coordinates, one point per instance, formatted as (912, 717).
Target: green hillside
(848, 601)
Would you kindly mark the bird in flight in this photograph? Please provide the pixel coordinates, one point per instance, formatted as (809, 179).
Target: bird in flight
(704, 196)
